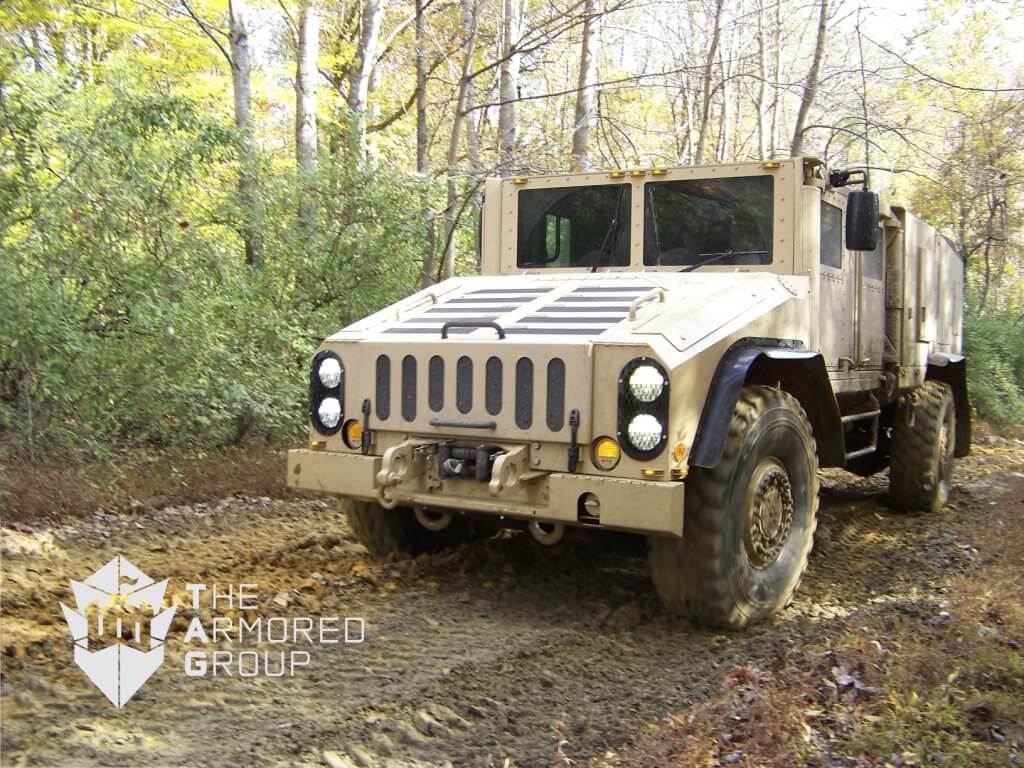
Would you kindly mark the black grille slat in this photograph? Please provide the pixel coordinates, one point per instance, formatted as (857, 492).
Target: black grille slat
(524, 291)
(431, 329)
(524, 393)
(582, 310)
(492, 386)
(556, 394)
(450, 315)
(610, 301)
(481, 300)
(383, 387)
(435, 383)
(555, 331)
(599, 319)
(409, 388)
(464, 385)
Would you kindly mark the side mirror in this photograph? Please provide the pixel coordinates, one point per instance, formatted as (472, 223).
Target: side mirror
(861, 220)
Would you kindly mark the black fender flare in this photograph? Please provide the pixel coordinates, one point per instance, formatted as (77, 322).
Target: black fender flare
(775, 363)
(951, 369)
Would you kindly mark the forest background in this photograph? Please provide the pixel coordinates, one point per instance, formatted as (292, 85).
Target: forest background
(193, 193)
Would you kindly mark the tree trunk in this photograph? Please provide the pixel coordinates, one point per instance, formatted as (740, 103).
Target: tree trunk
(469, 32)
(305, 110)
(773, 145)
(811, 84)
(762, 76)
(359, 74)
(729, 121)
(422, 143)
(473, 142)
(586, 101)
(241, 81)
(705, 111)
(37, 52)
(508, 86)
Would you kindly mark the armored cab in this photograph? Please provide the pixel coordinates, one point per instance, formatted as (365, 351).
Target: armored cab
(669, 351)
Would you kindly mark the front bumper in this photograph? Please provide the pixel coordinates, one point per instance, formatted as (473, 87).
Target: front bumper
(631, 505)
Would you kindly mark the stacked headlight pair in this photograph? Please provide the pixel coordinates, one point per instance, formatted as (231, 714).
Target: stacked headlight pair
(326, 392)
(643, 408)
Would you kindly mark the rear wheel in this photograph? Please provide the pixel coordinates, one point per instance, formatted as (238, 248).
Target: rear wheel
(396, 531)
(749, 522)
(923, 441)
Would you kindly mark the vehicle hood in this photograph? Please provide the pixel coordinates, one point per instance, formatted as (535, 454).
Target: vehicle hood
(684, 308)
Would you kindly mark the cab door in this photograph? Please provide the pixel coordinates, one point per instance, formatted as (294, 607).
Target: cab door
(871, 305)
(837, 289)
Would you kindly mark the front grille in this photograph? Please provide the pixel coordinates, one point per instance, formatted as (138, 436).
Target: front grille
(536, 393)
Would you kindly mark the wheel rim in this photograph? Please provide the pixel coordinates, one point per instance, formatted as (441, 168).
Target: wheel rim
(769, 513)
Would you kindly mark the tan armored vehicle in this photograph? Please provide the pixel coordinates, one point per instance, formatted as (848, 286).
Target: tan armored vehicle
(673, 352)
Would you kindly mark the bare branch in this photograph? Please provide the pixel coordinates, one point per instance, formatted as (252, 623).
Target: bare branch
(207, 31)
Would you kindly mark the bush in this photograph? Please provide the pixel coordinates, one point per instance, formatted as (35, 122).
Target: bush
(994, 345)
(127, 314)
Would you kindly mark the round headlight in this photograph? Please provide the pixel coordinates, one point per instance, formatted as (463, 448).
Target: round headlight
(329, 372)
(329, 412)
(646, 383)
(644, 432)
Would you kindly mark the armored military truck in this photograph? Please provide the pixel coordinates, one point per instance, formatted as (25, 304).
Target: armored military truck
(668, 351)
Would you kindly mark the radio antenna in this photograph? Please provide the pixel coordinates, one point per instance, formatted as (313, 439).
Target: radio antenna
(863, 99)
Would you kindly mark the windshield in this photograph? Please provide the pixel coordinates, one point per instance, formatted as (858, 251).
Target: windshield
(574, 227)
(714, 221)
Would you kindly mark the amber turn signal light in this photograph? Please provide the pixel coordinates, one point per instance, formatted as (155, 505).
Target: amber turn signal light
(352, 433)
(605, 452)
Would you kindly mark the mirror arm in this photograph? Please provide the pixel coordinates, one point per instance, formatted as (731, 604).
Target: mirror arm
(849, 177)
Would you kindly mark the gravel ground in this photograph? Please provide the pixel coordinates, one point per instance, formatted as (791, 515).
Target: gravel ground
(497, 653)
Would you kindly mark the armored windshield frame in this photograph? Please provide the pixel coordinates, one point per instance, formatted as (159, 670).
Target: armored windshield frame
(501, 220)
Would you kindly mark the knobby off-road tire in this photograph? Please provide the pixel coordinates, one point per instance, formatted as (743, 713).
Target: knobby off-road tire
(923, 440)
(395, 531)
(748, 522)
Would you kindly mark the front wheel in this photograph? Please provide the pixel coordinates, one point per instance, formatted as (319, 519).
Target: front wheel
(748, 522)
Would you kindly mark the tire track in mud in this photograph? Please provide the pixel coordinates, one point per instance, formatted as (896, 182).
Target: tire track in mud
(496, 650)
(588, 686)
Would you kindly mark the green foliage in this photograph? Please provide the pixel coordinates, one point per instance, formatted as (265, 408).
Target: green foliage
(994, 345)
(948, 721)
(127, 313)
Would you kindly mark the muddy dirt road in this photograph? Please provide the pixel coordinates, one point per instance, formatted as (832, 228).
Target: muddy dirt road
(497, 653)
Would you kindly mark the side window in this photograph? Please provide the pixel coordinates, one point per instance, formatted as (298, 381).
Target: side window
(831, 236)
(873, 261)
